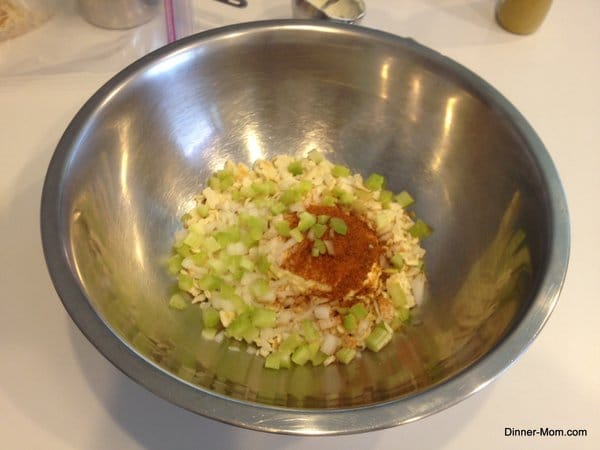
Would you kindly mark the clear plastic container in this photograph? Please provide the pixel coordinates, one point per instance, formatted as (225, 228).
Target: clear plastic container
(20, 16)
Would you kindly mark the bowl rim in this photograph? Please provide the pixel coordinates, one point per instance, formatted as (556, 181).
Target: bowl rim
(286, 420)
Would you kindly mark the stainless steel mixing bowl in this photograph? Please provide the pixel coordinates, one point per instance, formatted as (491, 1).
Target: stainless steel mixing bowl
(131, 160)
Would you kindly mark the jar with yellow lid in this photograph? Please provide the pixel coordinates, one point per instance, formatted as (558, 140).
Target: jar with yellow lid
(522, 16)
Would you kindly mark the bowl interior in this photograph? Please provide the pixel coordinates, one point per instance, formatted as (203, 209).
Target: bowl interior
(137, 153)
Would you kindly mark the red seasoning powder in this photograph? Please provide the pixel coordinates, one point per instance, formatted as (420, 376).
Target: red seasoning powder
(354, 254)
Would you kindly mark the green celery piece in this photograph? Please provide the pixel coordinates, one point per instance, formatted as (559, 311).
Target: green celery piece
(403, 314)
(174, 264)
(404, 199)
(310, 331)
(203, 211)
(315, 156)
(260, 288)
(378, 338)
(346, 198)
(283, 228)
(318, 230)
(375, 182)
(295, 167)
(304, 187)
(338, 225)
(340, 171)
(286, 361)
(247, 191)
(211, 245)
(301, 355)
(319, 358)
(345, 355)
(420, 229)
(396, 294)
(210, 317)
(214, 183)
(183, 250)
(218, 265)
(185, 281)
(250, 335)
(328, 200)
(290, 343)
(209, 282)
(193, 240)
(263, 187)
(226, 237)
(385, 198)
(186, 217)
(296, 234)
(263, 318)
(350, 322)
(397, 261)
(319, 248)
(278, 208)
(227, 291)
(289, 197)
(273, 361)
(247, 264)
(359, 311)
(323, 219)
(263, 264)
(178, 301)
(238, 326)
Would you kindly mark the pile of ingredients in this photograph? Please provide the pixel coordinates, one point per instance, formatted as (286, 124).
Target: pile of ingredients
(301, 259)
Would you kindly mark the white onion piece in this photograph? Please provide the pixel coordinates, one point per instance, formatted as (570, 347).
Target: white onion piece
(330, 344)
(322, 311)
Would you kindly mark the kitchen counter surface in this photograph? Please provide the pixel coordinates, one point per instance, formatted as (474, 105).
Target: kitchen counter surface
(58, 392)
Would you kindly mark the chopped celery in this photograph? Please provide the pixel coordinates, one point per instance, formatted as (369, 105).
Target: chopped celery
(210, 317)
(278, 208)
(211, 245)
(396, 293)
(296, 234)
(323, 219)
(397, 261)
(318, 230)
(186, 217)
(295, 167)
(420, 229)
(378, 338)
(178, 301)
(174, 264)
(263, 187)
(345, 355)
(328, 200)
(209, 282)
(315, 156)
(250, 334)
(289, 197)
(273, 361)
(359, 311)
(238, 326)
(183, 250)
(283, 228)
(346, 198)
(185, 281)
(263, 318)
(404, 199)
(318, 358)
(385, 198)
(318, 248)
(301, 355)
(246, 263)
(226, 237)
(338, 225)
(340, 171)
(261, 290)
(290, 343)
(193, 240)
(350, 322)
(263, 264)
(310, 331)
(375, 182)
(403, 314)
(304, 187)
(203, 210)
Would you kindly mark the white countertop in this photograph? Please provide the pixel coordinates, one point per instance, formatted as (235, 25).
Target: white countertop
(58, 392)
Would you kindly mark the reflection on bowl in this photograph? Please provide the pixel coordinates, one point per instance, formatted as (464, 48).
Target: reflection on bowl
(132, 159)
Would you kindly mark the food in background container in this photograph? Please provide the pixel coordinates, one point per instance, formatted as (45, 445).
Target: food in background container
(20, 16)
